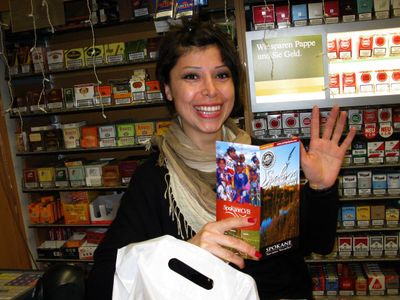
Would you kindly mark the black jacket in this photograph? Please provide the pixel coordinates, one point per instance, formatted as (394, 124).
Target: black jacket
(144, 214)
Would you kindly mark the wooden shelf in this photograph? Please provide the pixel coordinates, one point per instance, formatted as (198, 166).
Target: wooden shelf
(369, 198)
(53, 260)
(352, 259)
(366, 229)
(77, 188)
(69, 111)
(68, 225)
(81, 150)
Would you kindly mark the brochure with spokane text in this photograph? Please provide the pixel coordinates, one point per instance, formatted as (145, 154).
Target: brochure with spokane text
(262, 182)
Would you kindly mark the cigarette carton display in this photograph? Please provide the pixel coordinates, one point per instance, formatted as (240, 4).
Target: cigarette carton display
(381, 8)
(299, 14)
(376, 152)
(74, 58)
(376, 245)
(315, 13)
(345, 245)
(84, 95)
(348, 216)
(392, 216)
(55, 60)
(393, 183)
(364, 9)
(379, 184)
(263, 16)
(363, 215)
(360, 246)
(392, 153)
(378, 215)
(364, 182)
(391, 245)
(254, 195)
(114, 53)
(331, 11)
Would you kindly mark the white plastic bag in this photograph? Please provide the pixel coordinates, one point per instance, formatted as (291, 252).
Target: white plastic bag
(143, 273)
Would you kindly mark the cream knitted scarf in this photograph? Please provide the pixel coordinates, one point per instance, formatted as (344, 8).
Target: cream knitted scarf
(191, 171)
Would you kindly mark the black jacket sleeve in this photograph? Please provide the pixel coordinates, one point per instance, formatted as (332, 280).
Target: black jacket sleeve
(319, 211)
(141, 216)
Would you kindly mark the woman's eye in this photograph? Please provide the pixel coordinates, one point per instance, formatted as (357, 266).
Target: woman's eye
(223, 75)
(190, 76)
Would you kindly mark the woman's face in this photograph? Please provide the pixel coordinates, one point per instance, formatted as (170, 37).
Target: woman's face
(202, 90)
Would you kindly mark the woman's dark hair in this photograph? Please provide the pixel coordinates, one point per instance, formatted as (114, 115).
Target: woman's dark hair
(195, 33)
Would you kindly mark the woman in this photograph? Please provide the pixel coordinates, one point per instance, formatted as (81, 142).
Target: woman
(173, 192)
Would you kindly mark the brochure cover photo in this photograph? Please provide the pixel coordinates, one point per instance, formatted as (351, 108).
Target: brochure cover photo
(262, 182)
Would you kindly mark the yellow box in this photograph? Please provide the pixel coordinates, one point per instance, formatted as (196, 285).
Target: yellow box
(74, 58)
(46, 176)
(162, 127)
(98, 56)
(144, 128)
(76, 213)
(115, 52)
(363, 213)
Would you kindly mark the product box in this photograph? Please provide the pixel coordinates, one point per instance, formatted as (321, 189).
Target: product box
(144, 131)
(93, 173)
(349, 185)
(259, 127)
(121, 91)
(153, 91)
(355, 117)
(391, 280)
(395, 81)
(396, 118)
(104, 208)
(61, 177)
(55, 60)
(378, 215)
(136, 50)
(395, 8)
(74, 58)
(290, 124)
(153, 45)
(138, 85)
(334, 84)
(393, 183)
(359, 152)
(76, 173)
(392, 216)
(39, 61)
(364, 9)
(392, 153)
(36, 141)
(89, 137)
(84, 95)
(376, 245)
(75, 206)
(363, 215)
(299, 14)
(126, 170)
(365, 46)
(70, 249)
(72, 134)
(31, 179)
(332, 48)
(305, 123)
(111, 175)
(274, 124)
(364, 182)
(376, 152)
(86, 250)
(365, 82)
(385, 115)
(36, 101)
(345, 244)
(348, 9)
(263, 16)
(282, 14)
(94, 55)
(345, 49)
(381, 8)
(162, 127)
(114, 53)
(379, 184)
(107, 131)
(103, 95)
(360, 246)
(315, 13)
(20, 105)
(394, 44)
(55, 99)
(50, 249)
(349, 216)
(244, 195)
(125, 130)
(391, 245)
(25, 59)
(380, 45)
(331, 12)
(68, 97)
(349, 83)
(46, 177)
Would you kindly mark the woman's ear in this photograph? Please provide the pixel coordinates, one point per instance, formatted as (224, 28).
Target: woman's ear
(168, 93)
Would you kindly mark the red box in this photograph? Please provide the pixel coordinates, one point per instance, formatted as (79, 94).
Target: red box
(90, 137)
(344, 45)
(282, 14)
(332, 9)
(332, 49)
(349, 83)
(263, 14)
(365, 46)
(334, 83)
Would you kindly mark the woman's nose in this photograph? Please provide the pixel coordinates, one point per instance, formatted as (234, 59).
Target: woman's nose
(209, 88)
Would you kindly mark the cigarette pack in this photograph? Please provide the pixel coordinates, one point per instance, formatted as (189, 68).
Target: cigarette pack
(249, 180)
(345, 245)
(349, 216)
(365, 46)
(162, 127)
(46, 177)
(282, 14)
(125, 130)
(349, 185)
(379, 184)
(84, 94)
(274, 124)
(74, 58)
(376, 245)
(359, 152)
(259, 127)
(392, 149)
(391, 245)
(68, 97)
(299, 14)
(89, 137)
(364, 182)
(376, 152)
(348, 9)
(384, 115)
(332, 48)
(365, 82)
(39, 59)
(93, 172)
(76, 173)
(355, 117)
(380, 45)
(315, 13)
(263, 16)
(361, 246)
(94, 55)
(138, 85)
(102, 95)
(393, 183)
(331, 11)
(378, 215)
(61, 177)
(153, 90)
(392, 216)
(395, 8)
(305, 123)
(31, 179)
(291, 124)
(363, 215)
(111, 175)
(121, 91)
(55, 60)
(136, 50)
(364, 9)
(115, 53)
(381, 8)
(55, 99)
(396, 118)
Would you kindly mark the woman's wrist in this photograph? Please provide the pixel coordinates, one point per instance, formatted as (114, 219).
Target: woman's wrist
(318, 187)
